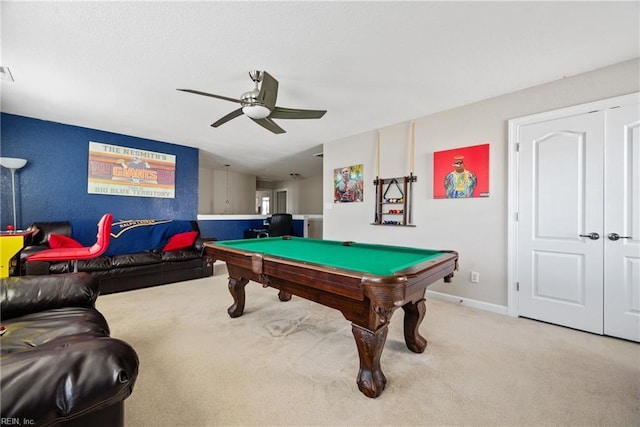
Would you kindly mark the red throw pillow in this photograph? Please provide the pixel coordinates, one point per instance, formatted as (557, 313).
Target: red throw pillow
(57, 241)
(181, 241)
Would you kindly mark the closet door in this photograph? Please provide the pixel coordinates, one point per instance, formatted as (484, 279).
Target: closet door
(622, 223)
(560, 220)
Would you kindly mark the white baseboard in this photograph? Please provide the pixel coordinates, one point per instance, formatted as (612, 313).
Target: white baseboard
(486, 306)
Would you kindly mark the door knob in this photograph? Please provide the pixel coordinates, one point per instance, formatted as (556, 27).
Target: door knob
(592, 236)
(616, 236)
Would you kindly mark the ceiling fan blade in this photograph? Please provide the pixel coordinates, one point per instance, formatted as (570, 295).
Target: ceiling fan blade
(197, 92)
(268, 124)
(225, 119)
(294, 113)
(268, 91)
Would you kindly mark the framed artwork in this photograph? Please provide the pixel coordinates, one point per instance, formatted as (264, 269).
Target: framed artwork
(122, 171)
(461, 172)
(348, 184)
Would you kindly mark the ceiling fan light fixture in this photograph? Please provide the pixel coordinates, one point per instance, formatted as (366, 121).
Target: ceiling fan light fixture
(256, 111)
(259, 104)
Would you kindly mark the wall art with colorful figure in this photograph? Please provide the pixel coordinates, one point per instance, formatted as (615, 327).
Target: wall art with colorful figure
(461, 172)
(348, 184)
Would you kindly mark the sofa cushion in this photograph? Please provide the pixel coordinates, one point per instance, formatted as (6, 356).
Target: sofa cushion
(36, 329)
(57, 267)
(95, 264)
(184, 267)
(181, 241)
(180, 255)
(132, 260)
(140, 273)
(28, 294)
(59, 241)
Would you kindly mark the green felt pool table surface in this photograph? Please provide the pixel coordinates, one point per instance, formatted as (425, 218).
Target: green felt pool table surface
(379, 260)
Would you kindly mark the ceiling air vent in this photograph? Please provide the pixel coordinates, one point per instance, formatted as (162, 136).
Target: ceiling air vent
(6, 74)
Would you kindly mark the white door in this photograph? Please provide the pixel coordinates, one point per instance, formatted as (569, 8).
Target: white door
(560, 221)
(622, 223)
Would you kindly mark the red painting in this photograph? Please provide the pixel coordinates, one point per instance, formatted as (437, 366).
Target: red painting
(461, 172)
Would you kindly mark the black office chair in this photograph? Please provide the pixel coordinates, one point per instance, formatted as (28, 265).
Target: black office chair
(279, 225)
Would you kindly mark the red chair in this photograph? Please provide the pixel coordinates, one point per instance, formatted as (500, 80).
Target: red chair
(76, 254)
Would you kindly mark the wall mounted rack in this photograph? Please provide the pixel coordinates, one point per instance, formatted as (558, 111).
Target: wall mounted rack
(394, 201)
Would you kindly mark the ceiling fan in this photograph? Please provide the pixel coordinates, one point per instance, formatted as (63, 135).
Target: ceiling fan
(259, 104)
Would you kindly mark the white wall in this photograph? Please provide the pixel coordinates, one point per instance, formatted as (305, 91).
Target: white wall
(304, 195)
(212, 192)
(205, 191)
(476, 228)
(311, 195)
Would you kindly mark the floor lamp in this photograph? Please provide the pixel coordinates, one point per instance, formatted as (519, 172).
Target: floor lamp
(13, 165)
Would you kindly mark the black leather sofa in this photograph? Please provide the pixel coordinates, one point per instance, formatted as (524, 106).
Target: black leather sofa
(58, 364)
(121, 272)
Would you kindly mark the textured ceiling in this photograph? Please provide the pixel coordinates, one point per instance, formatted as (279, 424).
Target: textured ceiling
(116, 66)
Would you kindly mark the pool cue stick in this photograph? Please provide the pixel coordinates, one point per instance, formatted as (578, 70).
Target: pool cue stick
(413, 147)
(378, 155)
(411, 165)
(377, 181)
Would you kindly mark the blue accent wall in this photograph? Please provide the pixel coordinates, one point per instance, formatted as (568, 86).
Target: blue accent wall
(232, 229)
(53, 184)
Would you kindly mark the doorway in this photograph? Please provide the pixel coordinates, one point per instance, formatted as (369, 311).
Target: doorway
(263, 202)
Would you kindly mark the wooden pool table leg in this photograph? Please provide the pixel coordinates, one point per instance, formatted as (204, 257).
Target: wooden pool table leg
(413, 316)
(371, 380)
(236, 288)
(284, 296)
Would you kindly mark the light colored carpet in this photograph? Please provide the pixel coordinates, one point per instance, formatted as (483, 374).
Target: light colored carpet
(295, 363)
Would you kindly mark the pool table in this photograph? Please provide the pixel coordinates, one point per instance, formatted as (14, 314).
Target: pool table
(366, 282)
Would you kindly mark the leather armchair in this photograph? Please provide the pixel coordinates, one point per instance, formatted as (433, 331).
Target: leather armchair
(58, 364)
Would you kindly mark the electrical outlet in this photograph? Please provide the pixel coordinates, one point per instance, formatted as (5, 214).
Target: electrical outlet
(475, 277)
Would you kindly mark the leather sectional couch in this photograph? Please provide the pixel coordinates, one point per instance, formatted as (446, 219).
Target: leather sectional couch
(58, 364)
(125, 271)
